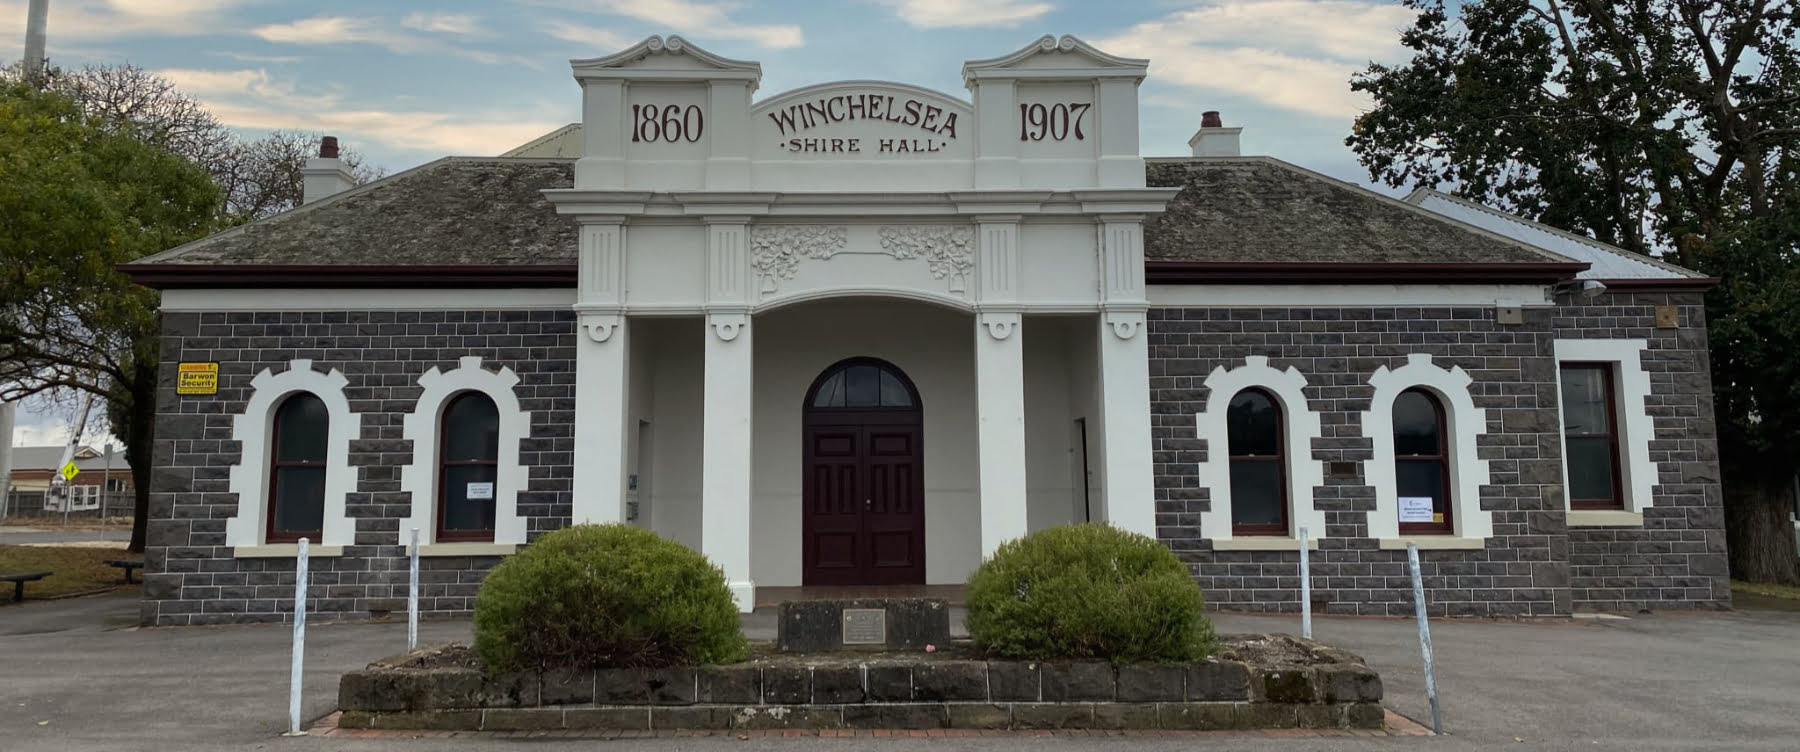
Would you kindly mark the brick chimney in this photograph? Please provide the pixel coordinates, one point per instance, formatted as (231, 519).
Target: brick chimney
(1214, 139)
(325, 175)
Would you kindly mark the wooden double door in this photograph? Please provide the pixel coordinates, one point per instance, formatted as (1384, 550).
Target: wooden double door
(864, 488)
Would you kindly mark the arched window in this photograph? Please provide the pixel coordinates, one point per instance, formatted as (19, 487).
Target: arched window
(468, 468)
(297, 469)
(1258, 468)
(1422, 464)
(862, 383)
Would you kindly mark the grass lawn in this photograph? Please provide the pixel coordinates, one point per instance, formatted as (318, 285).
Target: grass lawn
(1765, 589)
(74, 570)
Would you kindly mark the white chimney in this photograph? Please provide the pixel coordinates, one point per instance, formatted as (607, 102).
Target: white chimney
(36, 18)
(325, 175)
(1213, 138)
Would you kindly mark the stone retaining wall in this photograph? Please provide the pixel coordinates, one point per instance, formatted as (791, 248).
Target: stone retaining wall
(837, 692)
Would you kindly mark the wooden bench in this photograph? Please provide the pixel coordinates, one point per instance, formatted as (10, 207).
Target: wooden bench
(18, 579)
(128, 565)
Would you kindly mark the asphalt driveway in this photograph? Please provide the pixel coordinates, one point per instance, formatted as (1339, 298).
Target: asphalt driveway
(71, 679)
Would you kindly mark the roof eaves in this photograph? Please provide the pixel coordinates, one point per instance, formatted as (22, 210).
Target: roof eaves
(1359, 272)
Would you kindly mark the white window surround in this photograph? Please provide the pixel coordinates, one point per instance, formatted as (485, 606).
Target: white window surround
(1299, 426)
(419, 477)
(1631, 388)
(249, 478)
(1464, 422)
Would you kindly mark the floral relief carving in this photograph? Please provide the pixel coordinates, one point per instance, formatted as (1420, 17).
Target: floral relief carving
(948, 250)
(776, 250)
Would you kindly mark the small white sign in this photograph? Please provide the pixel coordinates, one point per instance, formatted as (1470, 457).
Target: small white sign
(486, 491)
(1416, 509)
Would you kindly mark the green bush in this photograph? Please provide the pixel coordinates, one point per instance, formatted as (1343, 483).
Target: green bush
(1087, 591)
(593, 596)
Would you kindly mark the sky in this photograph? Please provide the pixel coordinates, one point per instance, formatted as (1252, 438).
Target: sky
(407, 81)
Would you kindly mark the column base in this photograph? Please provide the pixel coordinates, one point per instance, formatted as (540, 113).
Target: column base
(744, 593)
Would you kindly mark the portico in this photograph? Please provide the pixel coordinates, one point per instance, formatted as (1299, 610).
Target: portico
(986, 284)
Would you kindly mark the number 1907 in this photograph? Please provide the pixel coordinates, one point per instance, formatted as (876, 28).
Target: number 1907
(1055, 122)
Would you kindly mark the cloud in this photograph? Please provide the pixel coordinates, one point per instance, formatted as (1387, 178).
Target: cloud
(256, 100)
(954, 14)
(1295, 55)
(593, 36)
(444, 23)
(328, 30)
(111, 19)
(696, 18)
(245, 57)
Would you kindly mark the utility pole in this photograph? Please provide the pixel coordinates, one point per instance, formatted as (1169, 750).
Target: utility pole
(37, 18)
(68, 455)
(6, 432)
(105, 483)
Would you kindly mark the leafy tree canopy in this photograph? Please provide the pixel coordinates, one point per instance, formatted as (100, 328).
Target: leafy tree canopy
(76, 199)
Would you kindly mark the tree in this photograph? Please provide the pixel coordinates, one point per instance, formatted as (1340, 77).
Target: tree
(257, 177)
(79, 196)
(262, 177)
(1660, 126)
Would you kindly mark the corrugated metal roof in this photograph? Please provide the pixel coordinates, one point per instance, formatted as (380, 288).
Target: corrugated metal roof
(1607, 262)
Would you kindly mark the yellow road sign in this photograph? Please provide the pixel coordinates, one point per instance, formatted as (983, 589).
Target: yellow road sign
(69, 471)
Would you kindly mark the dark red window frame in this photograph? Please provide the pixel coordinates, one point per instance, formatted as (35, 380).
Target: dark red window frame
(465, 535)
(1441, 459)
(1280, 460)
(1611, 435)
(276, 465)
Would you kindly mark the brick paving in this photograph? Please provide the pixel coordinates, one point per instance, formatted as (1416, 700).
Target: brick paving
(1397, 725)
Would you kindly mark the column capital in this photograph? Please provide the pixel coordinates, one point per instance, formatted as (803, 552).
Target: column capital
(726, 325)
(599, 325)
(999, 324)
(1125, 322)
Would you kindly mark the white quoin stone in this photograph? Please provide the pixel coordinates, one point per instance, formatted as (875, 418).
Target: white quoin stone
(325, 175)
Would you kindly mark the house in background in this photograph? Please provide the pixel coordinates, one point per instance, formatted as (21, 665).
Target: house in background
(35, 471)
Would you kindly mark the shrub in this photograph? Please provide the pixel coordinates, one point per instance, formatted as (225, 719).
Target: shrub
(593, 596)
(1087, 591)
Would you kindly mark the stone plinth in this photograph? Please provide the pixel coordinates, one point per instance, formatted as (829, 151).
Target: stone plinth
(818, 626)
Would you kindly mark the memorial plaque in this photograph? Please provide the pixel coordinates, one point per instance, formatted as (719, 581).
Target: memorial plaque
(865, 626)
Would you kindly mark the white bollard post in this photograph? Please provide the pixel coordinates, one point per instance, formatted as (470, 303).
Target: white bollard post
(1305, 589)
(1418, 587)
(412, 596)
(299, 642)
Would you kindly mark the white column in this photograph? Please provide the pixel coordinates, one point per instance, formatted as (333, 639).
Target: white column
(602, 389)
(725, 452)
(1130, 498)
(1000, 416)
(602, 374)
(1125, 377)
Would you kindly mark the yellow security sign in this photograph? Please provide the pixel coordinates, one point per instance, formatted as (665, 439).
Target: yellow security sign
(69, 471)
(197, 378)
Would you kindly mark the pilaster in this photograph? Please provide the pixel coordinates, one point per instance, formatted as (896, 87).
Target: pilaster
(998, 264)
(725, 451)
(1000, 426)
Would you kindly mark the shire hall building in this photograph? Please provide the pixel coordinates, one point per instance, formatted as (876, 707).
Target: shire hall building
(862, 333)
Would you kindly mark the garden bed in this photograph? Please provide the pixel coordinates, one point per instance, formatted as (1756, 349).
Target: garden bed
(1253, 682)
